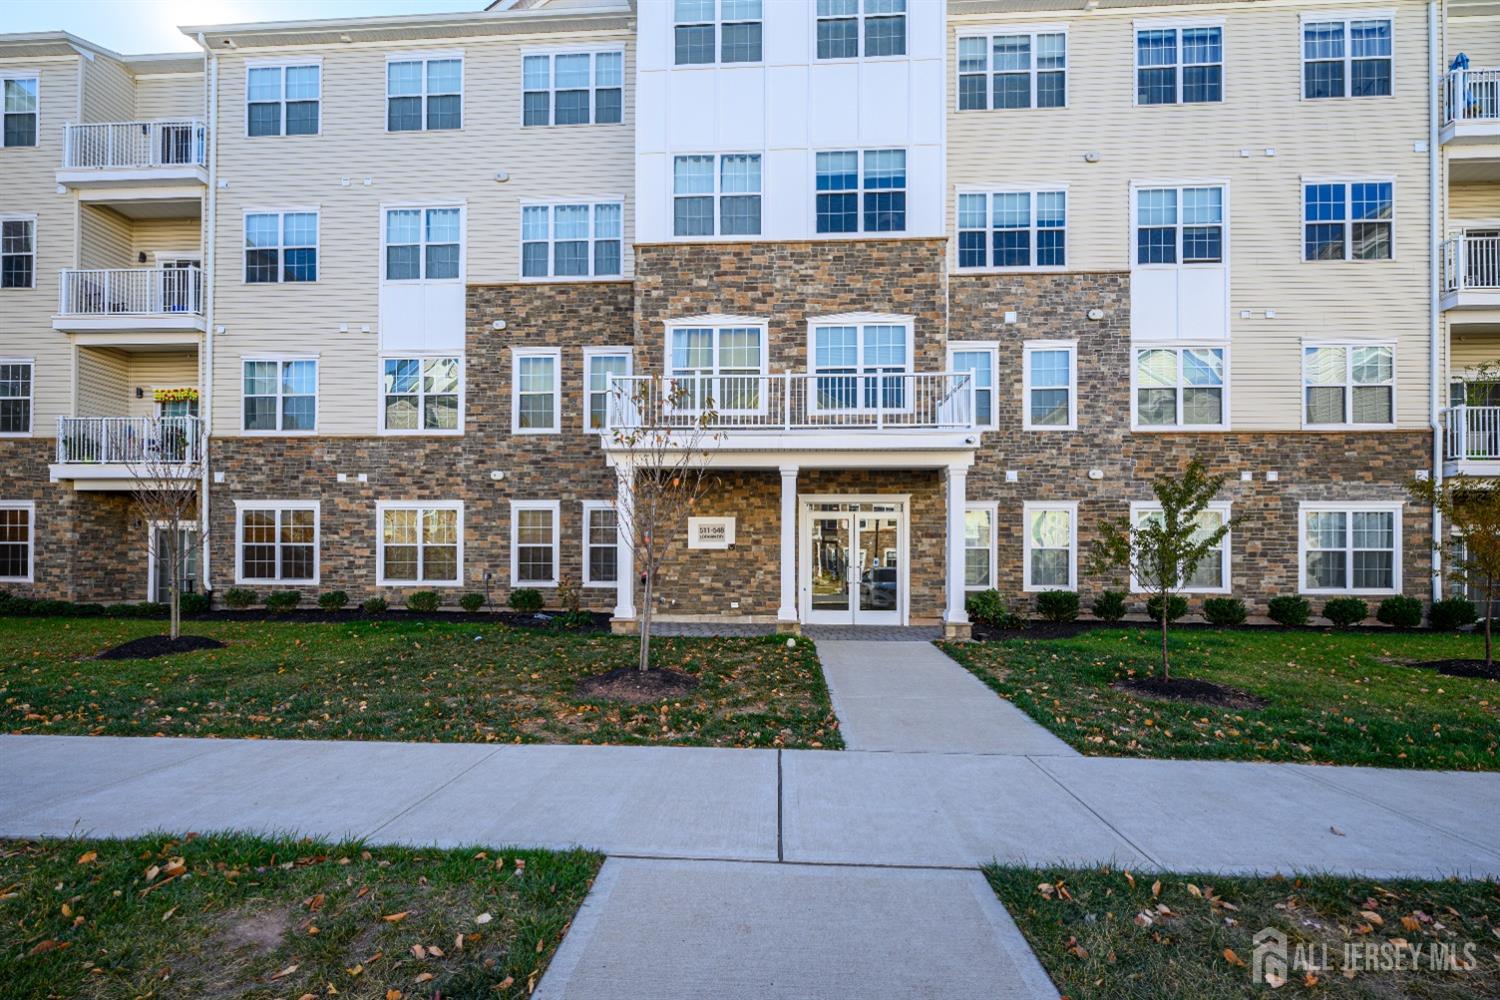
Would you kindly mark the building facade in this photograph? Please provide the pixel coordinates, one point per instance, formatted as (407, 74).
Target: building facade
(953, 282)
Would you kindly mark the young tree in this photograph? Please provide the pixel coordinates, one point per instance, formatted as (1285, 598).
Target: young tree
(166, 472)
(1162, 550)
(1471, 507)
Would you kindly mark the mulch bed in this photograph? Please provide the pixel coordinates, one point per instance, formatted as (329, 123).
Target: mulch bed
(630, 685)
(1187, 689)
(150, 646)
(1035, 629)
(1461, 668)
(515, 619)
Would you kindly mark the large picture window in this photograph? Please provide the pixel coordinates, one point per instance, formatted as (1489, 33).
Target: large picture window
(277, 541)
(423, 244)
(281, 246)
(1013, 70)
(573, 88)
(1349, 384)
(421, 395)
(571, 241)
(424, 94)
(1351, 548)
(421, 542)
(282, 100)
(1179, 387)
(1012, 229)
(281, 395)
(717, 367)
(860, 365)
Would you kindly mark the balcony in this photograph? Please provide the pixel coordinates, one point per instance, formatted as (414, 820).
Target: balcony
(113, 453)
(1471, 272)
(1471, 106)
(149, 300)
(145, 169)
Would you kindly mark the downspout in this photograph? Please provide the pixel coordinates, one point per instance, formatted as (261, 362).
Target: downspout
(1437, 381)
(206, 379)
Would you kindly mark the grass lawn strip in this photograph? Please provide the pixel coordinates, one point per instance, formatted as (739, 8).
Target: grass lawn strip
(410, 681)
(1334, 698)
(248, 918)
(1109, 934)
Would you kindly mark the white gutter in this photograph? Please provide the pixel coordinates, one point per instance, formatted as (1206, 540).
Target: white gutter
(206, 392)
(1436, 381)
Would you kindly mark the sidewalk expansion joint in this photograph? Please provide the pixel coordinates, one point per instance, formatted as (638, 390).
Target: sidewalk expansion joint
(880, 865)
(1097, 815)
(779, 808)
(430, 794)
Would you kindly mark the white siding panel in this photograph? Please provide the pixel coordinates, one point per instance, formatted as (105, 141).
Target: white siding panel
(103, 375)
(832, 93)
(741, 114)
(692, 122)
(786, 170)
(1153, 304)
(885, 103)
(787, 88)
(1202, 302)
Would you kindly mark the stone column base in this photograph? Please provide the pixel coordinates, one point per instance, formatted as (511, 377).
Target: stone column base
(958, 631)
(624, 626)
(788, 628)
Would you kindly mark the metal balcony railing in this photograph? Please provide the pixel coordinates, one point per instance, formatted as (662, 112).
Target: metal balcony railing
(122, 145)
(1471, 263)
(131, 291)
(146, 442)
(1471, 95)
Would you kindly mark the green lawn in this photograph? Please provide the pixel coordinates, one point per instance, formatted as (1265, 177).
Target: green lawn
(1110, 935)
(257, 919)
(1339, 698)
(414, 681)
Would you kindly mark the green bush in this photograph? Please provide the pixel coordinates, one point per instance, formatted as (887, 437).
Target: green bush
(51, 608)
(1109, 606)
(18, 605)
(471, 601)
(1224, 611)
(526, 600)
(1057, 605)
(1452, 613)
(1177, 606)
(194, 604)
(240, 598)
(1289, 610)
(1402, 612)
(423, 600)
(375, 605)
(334, 600)
(95, 610)
(987, 607)
(283, 600)
(571, 620)
(1345, 611)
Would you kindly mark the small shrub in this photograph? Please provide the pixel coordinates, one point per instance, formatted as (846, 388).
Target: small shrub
(569, 597)
(51, 609)
(1177, 606)
(1109, 606)
(240, 598)
(471, 602)
(1057, 605)
(424, 601)
(375, 605)
(1289, 610)
(572, 620)
(283, 600)
(193, 604)
(334, 600)
(1345, 611)
(987, 607)
(95, 610)
(1452, 613)
(1224, 611)
(1402, 612)
(526, 600)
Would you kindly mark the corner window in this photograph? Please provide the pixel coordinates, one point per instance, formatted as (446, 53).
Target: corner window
(421, 394)
(1348, 220)
(1179, 387)
(17, 253)
(1346, 58)
(1020, 70)
(1349, 384)
(20, 110)
(861, 191)
(420, 543)
(15, 396)
(573, 88)
(979, 546)
(571, 241)
(534, 543)
(423, 244)
(1350, 548)
(17, 535)
(979, 360)
(1212, 574)
(282, 100)
(1051, 546)
(1179, 225)
(277, 541)
(536, 404)
(1050, 374)
(718, 367)
(601, 553)
(424, 94)
(600, 365)
(280, 395)
(842, 24)
(1179, 65)
(281, 246)
(1012, 229)
(861, 366)
(726, 31)
(716, 195)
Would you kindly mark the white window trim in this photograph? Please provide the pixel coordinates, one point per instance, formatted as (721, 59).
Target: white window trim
(1226, 547)
(1136, 187)
(422, 244)
(281, 245)
(1002, 31)
(1351, 507)
(1344, 17)
(516, 354)
(1348, 346)
(283, 65)
(1071, 346)
(381, 506)
(860, 16)
(280, 359)
(717, 195)
(992, 348)
(153, 530)
(550, 204)
(1348, 180)
(991, 508)
(421, 358)
(29, 506)
(516, 506)
(859, 191)
(1177, 25)
(988, 191)
(861, 320)
(1179, 427)
(718, 322)
(30, 410)
(589, 506)
(25, 74)
(240, 509)
(424, 58)
(718, 23)
(589, 354)
(1027, 509)
(593, 52)
(24, 217)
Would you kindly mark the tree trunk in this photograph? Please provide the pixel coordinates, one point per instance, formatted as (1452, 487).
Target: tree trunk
(174, 588)
(1489, 602)
(645, 625)
(1166, 667)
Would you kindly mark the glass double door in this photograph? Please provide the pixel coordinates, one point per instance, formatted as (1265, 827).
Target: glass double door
(853, 572)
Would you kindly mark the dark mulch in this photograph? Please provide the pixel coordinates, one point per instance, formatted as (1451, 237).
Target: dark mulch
(150, 646)
(630, 685)
(1069, 630)
(542, 619)
(1462, 668)
(1187, 689)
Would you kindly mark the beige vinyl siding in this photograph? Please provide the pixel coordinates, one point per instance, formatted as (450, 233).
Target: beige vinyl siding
(1476, 37)
(1474, 202)
(1262, 109)
(103, 378)
(299, 172)
(154, 236)
(152, 370)
(1469, 351)
(169, 95)
(108, 91)
(104, 238)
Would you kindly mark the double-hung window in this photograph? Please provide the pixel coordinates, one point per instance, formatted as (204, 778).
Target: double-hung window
(1179, 387)
(18, 252)
(17, 535)
(716, 195)
(1352, 548)
(1179, 225)
(1050, 377)
(1179, 65)
(842, 23)
(1012, 229)
(421, 542)
(423, 244)
(1013, 70)
(536, 399)
(601, 551)
(280, 395)
(15, 396)
(600, 365)
(281, 246)
(1051, 546)
(421, 394)
(282, 100)
(726, 31)
(861, 365)
(424, 94)
(20, 109)
(979, 546)
(1348, 384)
(568, 241)
(978, 360)
(1346, 58)
(717, 367)
(861, 191)
(534, 543)
(277, 541)
(1211, 575)
(1348, 220)
(573, 88)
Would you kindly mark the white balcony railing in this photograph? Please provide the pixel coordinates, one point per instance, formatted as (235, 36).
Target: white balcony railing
(131, 291)
(793, 401)
(126, 145)
(1471, 263)
(143, 442)
(1471, 95)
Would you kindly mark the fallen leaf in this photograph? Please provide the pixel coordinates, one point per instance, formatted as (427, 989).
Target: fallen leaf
(1373, 917)
(1232, 958)
(392, 995)
(434, 951)
(42, 947)
(505, 983)
(419, 951)
(314, 902)
(425, 977)
(396, 918)
(152, 872)
(168, 915)
(1156, 888)
(483, 918)
(284, 973)
(1194, 891)
(1277, 982)
(87, 856)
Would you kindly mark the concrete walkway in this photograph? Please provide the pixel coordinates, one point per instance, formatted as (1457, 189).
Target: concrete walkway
(909, 696)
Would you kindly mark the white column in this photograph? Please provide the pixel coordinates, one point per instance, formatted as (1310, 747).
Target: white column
(788, 610)
(958, 479)
(624, 547)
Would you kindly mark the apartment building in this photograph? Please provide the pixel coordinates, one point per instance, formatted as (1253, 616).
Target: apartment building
(956, 280)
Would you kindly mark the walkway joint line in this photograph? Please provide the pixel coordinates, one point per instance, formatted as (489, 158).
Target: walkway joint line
(430, 794)
(1097, 815)
(779, 810)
